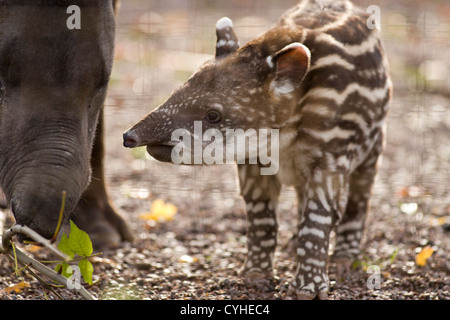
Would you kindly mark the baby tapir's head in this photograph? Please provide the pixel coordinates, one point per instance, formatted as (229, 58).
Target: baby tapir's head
(242, 90)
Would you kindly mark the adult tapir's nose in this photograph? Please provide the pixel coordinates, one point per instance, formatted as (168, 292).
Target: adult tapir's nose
(130, 139)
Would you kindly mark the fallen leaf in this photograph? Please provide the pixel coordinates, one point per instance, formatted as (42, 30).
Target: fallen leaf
(422, 256)
(160, 211)
(18, 287)
(33, 248)
(441, 220)
(403, 192)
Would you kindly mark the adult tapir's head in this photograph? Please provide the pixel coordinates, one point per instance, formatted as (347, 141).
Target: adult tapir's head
(253, 87)
(55, 64)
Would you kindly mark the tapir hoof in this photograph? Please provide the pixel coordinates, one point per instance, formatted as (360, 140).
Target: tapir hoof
(294, 293)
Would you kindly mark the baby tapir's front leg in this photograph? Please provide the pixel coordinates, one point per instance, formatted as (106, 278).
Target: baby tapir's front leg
(321, 204)
(260, 193)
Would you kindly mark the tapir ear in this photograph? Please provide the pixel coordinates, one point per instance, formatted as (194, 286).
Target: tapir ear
(227, 41)
(291, 64)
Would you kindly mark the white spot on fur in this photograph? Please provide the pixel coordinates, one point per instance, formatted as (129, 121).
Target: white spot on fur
(317, 279)
(264, 221)
(315, 262)
(323, 199)
(268, 243)
(353, 225)
(311, 231)
(328, 135)
(319, 219)
(312, 205)
(259, 207)
(269, 61)
(260, 233)
(333, 59)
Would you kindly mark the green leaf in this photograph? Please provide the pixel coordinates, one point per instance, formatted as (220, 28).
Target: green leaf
(63, 246)
(79, 241)
(63, 267)
(58, 267)
(86, 270)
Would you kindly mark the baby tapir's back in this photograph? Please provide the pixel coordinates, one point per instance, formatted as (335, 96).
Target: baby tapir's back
(344, 96)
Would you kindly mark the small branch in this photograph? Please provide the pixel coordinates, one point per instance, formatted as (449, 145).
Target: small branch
(61, 214)
(74, 259)
(5, 247)
(32, 234)
(25, 259)
(42, 282)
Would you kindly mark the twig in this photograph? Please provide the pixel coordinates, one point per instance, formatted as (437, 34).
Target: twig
(74, 259)
(32, 234)
(61, 214)
(41, 281)
(16, 265)
(25, 259)
(5, 247)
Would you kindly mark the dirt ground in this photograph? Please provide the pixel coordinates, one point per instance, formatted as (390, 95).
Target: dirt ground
(197, 253)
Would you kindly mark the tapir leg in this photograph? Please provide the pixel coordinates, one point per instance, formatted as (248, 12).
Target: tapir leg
(94, 213)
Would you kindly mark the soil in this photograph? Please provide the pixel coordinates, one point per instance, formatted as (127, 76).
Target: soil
(197, 254)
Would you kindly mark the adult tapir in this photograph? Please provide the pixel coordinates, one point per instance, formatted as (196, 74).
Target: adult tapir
(53, 81)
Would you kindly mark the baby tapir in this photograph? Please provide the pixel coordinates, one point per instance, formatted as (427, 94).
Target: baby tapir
(320, 78)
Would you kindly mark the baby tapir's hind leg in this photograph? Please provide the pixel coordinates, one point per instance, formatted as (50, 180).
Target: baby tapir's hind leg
(350, 230)
(260, 193)
(321, 203)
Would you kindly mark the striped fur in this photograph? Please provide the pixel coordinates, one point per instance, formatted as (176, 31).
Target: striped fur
(330, 116)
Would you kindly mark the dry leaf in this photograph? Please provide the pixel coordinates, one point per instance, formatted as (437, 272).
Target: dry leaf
(422, 256)
(33, 248)
(18, 287)
(442, 220)
(403, 192)
(160, 211)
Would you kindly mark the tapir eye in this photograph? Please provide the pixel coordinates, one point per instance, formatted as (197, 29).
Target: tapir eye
(213, 116)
